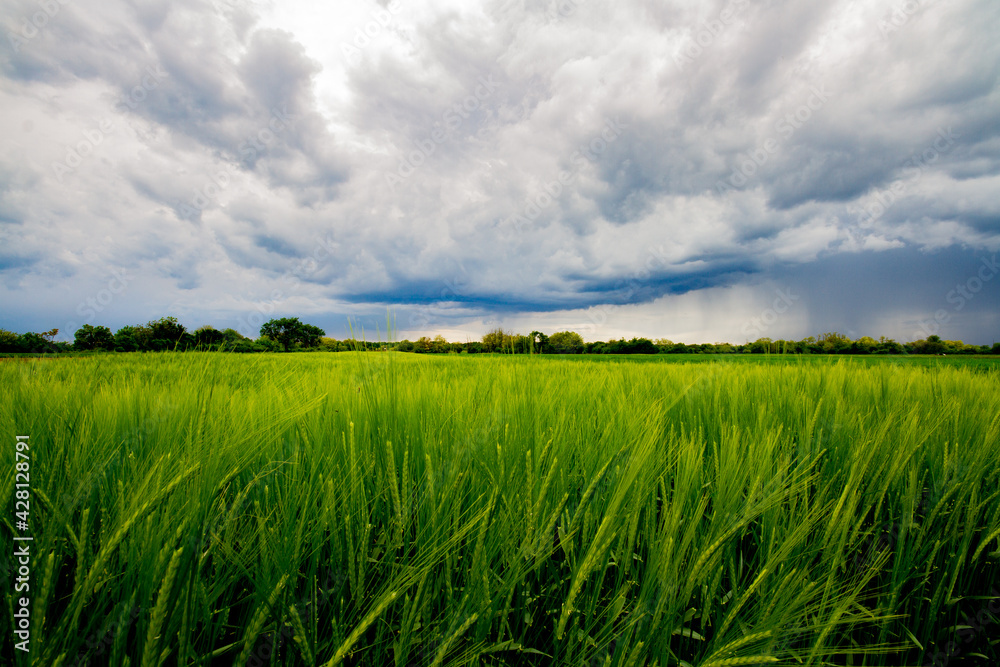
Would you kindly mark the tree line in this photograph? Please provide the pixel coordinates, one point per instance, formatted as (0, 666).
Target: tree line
(289, 334)
(166, 334)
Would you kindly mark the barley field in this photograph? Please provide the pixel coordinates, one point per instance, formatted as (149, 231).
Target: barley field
(390, 509)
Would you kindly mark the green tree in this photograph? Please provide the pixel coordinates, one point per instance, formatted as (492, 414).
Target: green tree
(566, 342)
(9, 341)
(439, 344)
(289, 331)
(933, 345)
(38, 342)
(518, 344)
(165, 333)
(89, 337)
(864, 345)
(809, 345)
(958, 347)
(330, 345)
(762, 346)
(833, 342)
(496, 340)
(664, 345)
(539, 342)
(208, 336)
(310, 335)
(641, 346)
(133, 338)
(888, 346)
(232, 336)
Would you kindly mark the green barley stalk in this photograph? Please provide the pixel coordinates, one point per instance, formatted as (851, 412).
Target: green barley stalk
(257, 622)
(150, 653)
(41, 602)
(446, 645)
(360, 628)
(84, 591)
(300, 637)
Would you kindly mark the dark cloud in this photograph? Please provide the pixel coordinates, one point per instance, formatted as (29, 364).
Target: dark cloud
(276, 245)
(919, 291)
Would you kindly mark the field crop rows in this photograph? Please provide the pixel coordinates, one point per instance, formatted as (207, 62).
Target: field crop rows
(388, 509)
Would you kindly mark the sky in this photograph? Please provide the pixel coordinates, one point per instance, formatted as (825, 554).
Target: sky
(692, 170)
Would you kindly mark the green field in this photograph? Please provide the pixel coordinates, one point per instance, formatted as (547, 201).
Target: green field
(392, 509)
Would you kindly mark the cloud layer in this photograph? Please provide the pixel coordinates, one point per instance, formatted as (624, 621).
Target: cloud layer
(613, 168)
